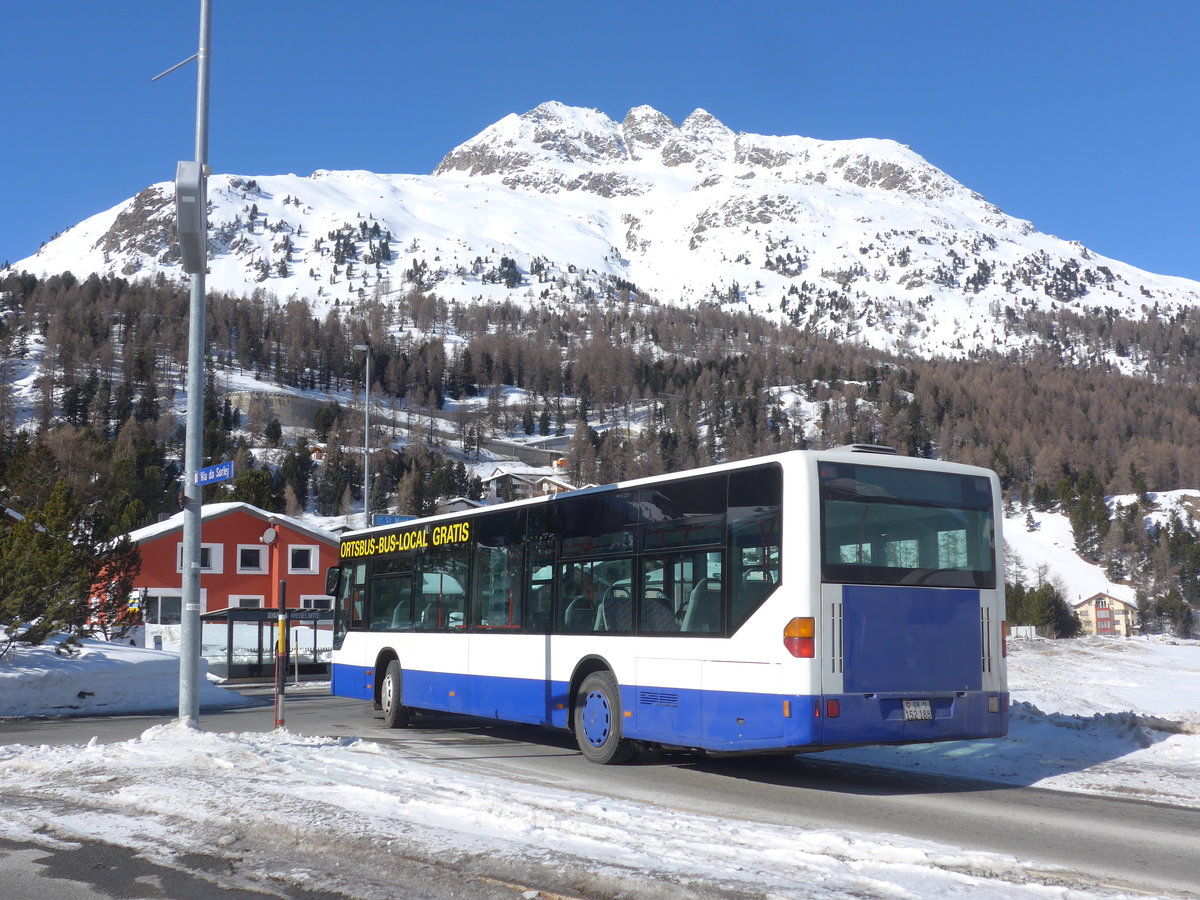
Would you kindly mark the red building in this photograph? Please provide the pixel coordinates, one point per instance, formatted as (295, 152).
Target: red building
(238, 568)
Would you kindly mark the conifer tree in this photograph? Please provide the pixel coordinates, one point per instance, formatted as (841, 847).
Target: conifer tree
(51, 565)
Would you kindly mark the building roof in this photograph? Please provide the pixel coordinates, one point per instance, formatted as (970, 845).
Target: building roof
(529, 477)
(460, 503)
(211, 511)
(1090, 600)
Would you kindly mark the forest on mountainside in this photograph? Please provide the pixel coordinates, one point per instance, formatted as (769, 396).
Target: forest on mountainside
(111, 354)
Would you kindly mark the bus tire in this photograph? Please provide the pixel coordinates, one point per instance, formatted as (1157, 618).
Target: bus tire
(598, 721)
(394, 715)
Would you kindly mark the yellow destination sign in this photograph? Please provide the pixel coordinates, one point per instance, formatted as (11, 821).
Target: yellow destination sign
(412, 539)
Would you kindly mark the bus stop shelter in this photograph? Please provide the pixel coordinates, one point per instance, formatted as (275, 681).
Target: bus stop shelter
(248, 649)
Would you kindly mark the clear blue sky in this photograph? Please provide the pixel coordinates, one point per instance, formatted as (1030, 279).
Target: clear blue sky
(1080, 116)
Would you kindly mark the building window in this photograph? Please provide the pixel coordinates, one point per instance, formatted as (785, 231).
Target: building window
(251, 559)
(212, 558)
(317, 602)
(303, 559)
(162, 607)
(246, 602)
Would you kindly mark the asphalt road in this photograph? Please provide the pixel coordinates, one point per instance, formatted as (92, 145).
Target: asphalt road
(1130, 845)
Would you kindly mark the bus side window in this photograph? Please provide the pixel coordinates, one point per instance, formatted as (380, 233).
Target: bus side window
(496, 588)
(697, 590)
(755, 565)
(614, 611)
(441, 589)
(391, 606)
(540, 584)
(756, 571)
(577, 598)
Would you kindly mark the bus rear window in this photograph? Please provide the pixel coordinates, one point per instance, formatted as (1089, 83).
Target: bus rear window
(899, 526)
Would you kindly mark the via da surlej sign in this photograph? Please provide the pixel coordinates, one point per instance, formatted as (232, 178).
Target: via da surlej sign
(221, 471)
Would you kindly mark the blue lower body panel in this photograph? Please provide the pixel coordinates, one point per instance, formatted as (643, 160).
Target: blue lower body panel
(352, 681)
(722, 721)
(879, 718)
(911, 639)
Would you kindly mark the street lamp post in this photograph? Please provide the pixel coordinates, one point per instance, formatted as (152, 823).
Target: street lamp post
(366, 348)
(192, 220)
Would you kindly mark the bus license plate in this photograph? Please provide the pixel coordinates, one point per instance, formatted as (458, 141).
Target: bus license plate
(917, 710)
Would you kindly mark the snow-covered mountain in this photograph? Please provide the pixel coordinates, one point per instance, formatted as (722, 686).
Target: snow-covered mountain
(859, 239)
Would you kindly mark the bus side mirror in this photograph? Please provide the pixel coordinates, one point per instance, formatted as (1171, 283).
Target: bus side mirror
(333, 581)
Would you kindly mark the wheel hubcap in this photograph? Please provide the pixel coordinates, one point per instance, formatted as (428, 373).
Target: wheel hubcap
(597, 718)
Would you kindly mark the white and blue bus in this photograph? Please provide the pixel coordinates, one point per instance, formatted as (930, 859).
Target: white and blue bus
(796, 602)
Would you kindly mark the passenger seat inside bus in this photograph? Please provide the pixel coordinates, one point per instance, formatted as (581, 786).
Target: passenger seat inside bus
(703, 612)
(615, 612)
(656, 611)
(430, 615)
(579, 614)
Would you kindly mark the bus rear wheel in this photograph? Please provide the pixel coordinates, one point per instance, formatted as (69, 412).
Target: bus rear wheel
(394, 715)
(598, 721)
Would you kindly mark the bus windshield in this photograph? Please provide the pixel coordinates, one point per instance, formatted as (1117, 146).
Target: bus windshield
(903, 527)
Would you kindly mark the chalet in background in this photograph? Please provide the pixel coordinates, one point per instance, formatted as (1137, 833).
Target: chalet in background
(1104, 614)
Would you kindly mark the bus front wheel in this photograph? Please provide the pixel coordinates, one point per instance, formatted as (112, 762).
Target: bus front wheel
(598, 721)
(394, 715)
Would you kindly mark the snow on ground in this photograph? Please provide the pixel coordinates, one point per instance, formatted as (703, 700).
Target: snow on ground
(98, 678)
(347, 799)
(1112, 716)
(1102, 716)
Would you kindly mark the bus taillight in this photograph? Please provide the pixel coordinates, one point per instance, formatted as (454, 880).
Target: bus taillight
(1004, 638)
(799, 636)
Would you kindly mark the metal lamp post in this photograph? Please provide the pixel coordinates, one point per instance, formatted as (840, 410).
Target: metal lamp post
(366, 348)
(191, 210)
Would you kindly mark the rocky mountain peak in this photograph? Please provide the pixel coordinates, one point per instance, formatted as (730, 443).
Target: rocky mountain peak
(557, 140)
(551, 134)
(571, 135)
(646, 130)
(862, 239)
